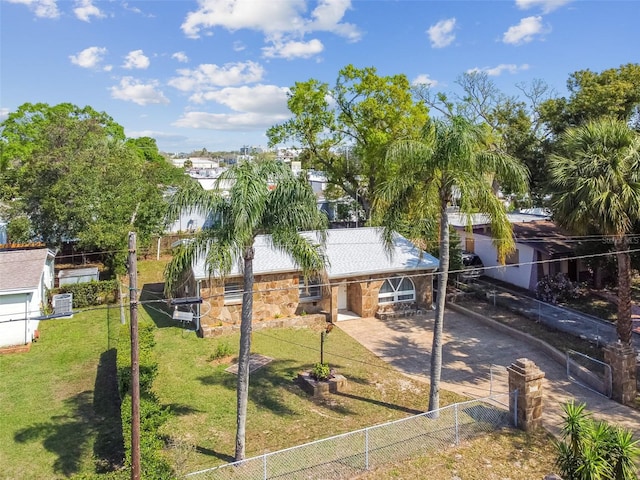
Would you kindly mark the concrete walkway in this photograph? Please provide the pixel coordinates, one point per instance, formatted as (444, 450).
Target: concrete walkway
(470, 348)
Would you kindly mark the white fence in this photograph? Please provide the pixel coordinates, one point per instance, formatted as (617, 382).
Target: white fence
(344, 456)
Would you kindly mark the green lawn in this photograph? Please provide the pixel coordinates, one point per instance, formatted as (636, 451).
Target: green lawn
(56, 401)
(203, 398)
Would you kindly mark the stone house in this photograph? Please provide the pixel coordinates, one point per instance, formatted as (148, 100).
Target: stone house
(363, 278)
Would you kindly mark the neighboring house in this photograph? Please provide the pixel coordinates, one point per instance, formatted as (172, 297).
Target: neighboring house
(542, 248)
(364, 278)
(25, 277)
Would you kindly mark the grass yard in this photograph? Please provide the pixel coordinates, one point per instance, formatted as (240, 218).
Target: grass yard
(280, 414)
(56, 401)
(500, 455)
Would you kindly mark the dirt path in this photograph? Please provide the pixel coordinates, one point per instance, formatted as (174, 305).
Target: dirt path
(470, 348)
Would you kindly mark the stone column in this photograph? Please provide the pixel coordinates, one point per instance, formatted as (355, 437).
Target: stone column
(526, 377)
(622, 359)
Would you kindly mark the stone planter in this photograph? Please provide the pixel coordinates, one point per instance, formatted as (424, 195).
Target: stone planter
(319, 388)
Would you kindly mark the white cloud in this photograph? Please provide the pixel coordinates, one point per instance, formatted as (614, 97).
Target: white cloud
(90, 58)
(42, 8)
(284, 23)
(227, 121)
(525, 31)
(238, 46)
(293, 49)
(209, 76)
(546, 5)
(133, 90)
(4, 113)
(424, 79)
(283, 16)
(136, 59)
(441, 34)
(85, 9)
(499, 69)
(264, 99)
(181, 57)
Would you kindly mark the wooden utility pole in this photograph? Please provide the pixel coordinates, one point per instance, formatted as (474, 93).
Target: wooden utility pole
(135, 362)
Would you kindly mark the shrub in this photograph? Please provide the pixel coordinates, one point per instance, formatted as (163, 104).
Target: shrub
(152, 414)
(321, 371)
(223, 349)
(90, 293)
(557, 288)
(591, 450)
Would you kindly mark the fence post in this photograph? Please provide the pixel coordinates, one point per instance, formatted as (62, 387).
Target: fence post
(264, 466)
(490, 380)
(366, 449)
(455, 410)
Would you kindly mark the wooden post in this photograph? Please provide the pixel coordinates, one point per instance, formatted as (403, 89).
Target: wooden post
(135, 363)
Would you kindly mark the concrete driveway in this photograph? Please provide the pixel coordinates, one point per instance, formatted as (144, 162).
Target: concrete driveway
(470, 348)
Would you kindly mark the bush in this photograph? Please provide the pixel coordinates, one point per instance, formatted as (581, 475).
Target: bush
(223, 349)
(321, 371)
(90, 293)
(152, 414)
(591, 450)
(557, 288)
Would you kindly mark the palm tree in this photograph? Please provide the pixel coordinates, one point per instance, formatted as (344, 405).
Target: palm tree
(452, 161)
(264, 198)
(595, 183)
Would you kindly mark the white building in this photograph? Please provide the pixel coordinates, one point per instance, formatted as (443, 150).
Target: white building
(25, 277)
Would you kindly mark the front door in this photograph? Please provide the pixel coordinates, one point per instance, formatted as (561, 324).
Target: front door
(342, 296)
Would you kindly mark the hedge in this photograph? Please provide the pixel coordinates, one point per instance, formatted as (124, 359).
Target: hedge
(90, 293)
(152, 415)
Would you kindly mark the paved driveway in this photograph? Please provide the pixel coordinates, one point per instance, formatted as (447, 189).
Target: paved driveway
(469, 349)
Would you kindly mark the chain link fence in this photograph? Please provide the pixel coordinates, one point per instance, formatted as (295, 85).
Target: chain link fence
(344, 456)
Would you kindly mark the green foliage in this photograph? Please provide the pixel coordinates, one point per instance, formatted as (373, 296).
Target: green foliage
(321, 371)
(90, 293)
(73, 174)
(19, 230)
(591, 450)
(223, 349)
(152, 414)
(345, 130)
(614, 92)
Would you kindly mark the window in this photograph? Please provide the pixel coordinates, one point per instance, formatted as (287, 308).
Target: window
(232, 292)
(513, 258)
(311, 291)
(397, 289)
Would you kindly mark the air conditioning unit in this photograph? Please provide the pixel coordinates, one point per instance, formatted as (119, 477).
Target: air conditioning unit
(63, 304)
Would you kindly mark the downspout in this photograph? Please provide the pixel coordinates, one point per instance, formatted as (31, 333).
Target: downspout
(26, 318)
(199, 295)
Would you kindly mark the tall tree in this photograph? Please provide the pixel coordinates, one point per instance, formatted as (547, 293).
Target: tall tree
(345, 130)
(265, 198)
(451, 163)
(595, 180)
(514, 121)
(76, 178)
(614, 92)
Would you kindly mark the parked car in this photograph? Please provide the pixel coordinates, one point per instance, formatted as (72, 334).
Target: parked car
(472, 266)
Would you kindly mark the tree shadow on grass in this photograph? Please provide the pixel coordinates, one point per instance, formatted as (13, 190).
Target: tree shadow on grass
(379, 403)
(91, 414)
(65, 435)
(265, 385)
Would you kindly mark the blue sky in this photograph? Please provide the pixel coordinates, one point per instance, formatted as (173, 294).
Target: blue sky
(215, 73)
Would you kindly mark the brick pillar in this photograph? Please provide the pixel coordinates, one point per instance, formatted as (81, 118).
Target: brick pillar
(622, 359)
(526, 377)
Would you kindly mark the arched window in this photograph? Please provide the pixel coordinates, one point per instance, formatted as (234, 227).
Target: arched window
(397, 289)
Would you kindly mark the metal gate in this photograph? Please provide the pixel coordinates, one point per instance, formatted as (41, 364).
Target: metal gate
(589, 372)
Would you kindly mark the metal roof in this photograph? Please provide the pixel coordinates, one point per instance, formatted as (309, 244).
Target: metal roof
(350, 252)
